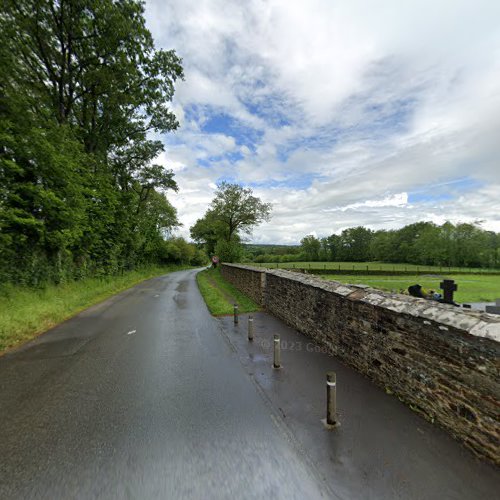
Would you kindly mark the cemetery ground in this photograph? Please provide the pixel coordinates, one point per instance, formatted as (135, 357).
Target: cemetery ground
(471, 288)
(220, 296)
(474, 284)
(26, 312)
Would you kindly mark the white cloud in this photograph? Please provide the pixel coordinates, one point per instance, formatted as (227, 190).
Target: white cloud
(354, 104)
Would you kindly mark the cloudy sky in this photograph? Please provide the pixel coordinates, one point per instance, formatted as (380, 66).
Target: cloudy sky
(339, 112)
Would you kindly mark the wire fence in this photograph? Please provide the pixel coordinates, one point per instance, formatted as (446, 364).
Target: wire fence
(374, 268)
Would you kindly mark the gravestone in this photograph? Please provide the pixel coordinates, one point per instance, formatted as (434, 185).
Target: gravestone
(494, 309)
(448, 287)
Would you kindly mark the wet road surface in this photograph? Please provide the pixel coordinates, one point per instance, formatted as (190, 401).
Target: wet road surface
(382, 449)
(143, 397)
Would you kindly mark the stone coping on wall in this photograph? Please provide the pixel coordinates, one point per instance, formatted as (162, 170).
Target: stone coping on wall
(476, 323)
(249, 268)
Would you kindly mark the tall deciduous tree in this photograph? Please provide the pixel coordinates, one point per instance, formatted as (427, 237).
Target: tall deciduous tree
(310, 246)
(234, 210)
(237, 209)
(81, 87)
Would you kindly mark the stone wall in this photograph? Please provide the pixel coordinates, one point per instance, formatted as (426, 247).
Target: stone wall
(441, 360)
(250, 280)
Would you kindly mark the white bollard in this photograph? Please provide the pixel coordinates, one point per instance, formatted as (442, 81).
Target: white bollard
(235, 314)
(277, 352)
(331, 398)
(250, 328)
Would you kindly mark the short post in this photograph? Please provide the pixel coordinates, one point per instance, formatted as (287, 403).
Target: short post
(331, 398)
(277, 353)
(235, 314)
(250, 328)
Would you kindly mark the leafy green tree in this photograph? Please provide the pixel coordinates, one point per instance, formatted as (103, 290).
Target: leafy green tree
(334, 247)
(207, 231)
(382, 246)
(228, 251)
(355, 244)
(233, 211)
(310, 246)
(237, 210)
(81, 88)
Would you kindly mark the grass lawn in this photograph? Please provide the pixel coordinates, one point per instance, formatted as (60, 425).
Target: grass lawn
(27, 312)
(220, 296)
(382, 266)
(473, 288)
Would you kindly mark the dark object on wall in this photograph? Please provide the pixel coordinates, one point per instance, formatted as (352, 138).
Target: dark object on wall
(416, 291)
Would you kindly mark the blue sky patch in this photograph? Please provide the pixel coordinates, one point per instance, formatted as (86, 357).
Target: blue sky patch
(445, 191)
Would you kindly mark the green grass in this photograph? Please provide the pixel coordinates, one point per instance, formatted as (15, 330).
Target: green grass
(382, 266)
(473, 288)
(220, 295)
(27, 312)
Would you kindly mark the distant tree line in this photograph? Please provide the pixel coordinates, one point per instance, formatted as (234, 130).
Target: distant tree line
(423, 243)
(82, 90)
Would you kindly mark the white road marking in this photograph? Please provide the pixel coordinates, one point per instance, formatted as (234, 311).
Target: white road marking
(131, 332)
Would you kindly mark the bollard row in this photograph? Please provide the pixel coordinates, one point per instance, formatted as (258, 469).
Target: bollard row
(331, 377)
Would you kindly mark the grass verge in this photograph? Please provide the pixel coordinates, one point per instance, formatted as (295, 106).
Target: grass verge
(27, 312)
(220, 296)
(471, 288)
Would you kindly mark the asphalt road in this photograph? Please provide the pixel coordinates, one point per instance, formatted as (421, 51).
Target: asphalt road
(142, 397)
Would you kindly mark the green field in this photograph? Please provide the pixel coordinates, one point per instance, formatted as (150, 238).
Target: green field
(372, 266)
(473, 288)
(481, 285)
(220, 296)
(26, 312)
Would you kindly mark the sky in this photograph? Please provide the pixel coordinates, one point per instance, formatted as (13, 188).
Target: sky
(339, 113)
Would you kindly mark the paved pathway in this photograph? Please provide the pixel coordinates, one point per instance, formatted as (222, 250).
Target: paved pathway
(147, 396)
(141, 397)
(382, 449)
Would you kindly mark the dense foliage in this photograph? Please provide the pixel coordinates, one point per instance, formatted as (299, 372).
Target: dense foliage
(422, 243)
(82, 90)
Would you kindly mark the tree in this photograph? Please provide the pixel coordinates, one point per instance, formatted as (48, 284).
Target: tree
(206, 231)
(81, 86)
(234, 210)
(237, 210)
(355, 244)
(310, 246)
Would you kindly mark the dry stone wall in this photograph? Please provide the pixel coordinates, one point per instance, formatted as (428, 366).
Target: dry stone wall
(441, 360)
